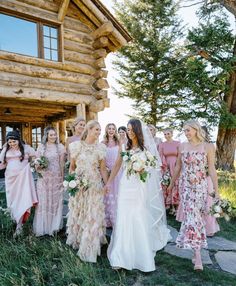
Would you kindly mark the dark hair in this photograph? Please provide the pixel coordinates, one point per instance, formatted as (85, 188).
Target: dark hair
(137, 129)
(14, 135)
(122, 128)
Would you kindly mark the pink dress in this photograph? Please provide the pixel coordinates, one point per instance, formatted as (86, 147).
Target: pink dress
(169, 152)
(194, 188)
(20, 187)
(110, 198)
(212, 225)
(48, 214)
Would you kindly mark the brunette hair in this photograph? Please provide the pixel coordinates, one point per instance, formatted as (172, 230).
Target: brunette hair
(15, 135)
(45, 135)
(137, 129)
(106, 136)
(122, 128)
(90, 124)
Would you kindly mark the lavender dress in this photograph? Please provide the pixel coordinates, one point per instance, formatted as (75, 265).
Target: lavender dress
(110, 199)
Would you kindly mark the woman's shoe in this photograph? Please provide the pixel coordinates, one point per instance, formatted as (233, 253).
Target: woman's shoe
(198, 267)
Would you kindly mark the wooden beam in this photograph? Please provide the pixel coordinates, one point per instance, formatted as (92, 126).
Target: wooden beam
(74, 24)
(100, 53)
(100, 63)
(80, 58)
(63, 10)
(78, 47)
(101, 84)
(78, 37)
(100, 94)
(96, 106)
(101, 43)
(44, 95)
(101, 74)
(103, 30)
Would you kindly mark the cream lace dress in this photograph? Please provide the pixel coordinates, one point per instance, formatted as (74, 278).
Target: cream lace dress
(86, 217)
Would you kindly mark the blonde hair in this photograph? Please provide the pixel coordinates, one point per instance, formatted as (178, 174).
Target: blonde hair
(90, 124)
(115, 136)
(196, 125)
(75, 122)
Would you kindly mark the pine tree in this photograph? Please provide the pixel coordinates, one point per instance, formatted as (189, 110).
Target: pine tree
(147, 64)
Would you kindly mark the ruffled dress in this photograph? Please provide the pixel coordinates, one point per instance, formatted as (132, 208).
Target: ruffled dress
(86, 226)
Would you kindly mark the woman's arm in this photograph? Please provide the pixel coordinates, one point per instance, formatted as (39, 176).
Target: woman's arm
(211, 167)
(72, 165)
(115, 168)
(177, 170)
(2, 154)
(103, 171)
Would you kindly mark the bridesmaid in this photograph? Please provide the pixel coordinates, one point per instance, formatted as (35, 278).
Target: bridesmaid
(48, 214)
(20, 188)
(152, 129)
(77, 129)
(169, 151)
(86, 227)
(122, 131)
(212, 225)
(112, 143)
(194, 159)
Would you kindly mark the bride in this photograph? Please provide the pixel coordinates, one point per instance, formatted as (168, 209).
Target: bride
(140, 228)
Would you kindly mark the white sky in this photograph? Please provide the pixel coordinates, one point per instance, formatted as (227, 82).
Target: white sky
(120, 107)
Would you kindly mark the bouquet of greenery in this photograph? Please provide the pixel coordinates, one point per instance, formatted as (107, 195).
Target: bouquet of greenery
(222, 208)
(74, 183)
(39, 164)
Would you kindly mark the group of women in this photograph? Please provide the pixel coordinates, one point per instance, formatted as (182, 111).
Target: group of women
(133, 209)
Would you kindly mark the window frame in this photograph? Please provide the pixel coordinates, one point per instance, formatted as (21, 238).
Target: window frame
(40, 23)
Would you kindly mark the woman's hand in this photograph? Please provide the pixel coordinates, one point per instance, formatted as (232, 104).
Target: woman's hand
(106, 189)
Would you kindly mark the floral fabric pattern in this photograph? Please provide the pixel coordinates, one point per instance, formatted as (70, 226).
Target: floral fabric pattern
(86, 218)
(193, 185)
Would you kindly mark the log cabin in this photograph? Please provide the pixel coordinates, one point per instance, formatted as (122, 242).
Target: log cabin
(52, 63)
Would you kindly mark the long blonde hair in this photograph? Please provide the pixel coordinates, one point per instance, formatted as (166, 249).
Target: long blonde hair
(115, 136)
(196, 125)
(90, 124)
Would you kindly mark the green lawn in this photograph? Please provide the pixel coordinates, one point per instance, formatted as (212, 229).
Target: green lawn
(47, 261)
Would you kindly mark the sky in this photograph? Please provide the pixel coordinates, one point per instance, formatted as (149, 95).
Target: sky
(118, 109)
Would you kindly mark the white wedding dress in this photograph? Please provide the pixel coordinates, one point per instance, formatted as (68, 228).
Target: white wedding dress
(140, 229)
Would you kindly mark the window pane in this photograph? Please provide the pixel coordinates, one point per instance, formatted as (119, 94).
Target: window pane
(46, 42)
(54, 44)
(47, 54)
(53, 32)
(18, 36)
(46, 31)
(54, 55)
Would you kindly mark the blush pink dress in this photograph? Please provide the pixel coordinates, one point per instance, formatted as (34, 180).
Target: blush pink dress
(19, 182)
(48, 214)
(110, 198)
(169, 152)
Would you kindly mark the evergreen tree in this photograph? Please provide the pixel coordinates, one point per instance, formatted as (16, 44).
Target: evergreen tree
(147, 64)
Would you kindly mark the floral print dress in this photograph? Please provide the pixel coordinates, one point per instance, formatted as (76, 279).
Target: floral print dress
(86, 218)
(193, 192)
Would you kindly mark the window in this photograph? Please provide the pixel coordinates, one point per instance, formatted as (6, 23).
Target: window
(29, 37)
(36, 136)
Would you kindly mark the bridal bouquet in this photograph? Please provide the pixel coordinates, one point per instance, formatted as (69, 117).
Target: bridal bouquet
(39, 164)
(74, 183)
(222, 208)
(139, 163)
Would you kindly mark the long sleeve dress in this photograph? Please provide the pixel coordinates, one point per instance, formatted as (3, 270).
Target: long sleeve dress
(48, 214)
(20, 188)
(86, 227)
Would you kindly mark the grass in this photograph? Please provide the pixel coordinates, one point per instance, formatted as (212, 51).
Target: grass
(48, 261)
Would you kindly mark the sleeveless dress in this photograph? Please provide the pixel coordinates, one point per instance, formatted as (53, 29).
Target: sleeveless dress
(86, 226)
(20, 188)
(193, 191)
(48, 214)
(110, 198)
(132, 243)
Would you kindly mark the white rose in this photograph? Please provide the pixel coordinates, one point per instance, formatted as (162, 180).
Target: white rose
(72, 184)
(133, 158)
(218, 209)
(216, 215)
(65, 184)
(229, 209)
(149, 155)
(32, 170)
(125, 158)
(137, 167)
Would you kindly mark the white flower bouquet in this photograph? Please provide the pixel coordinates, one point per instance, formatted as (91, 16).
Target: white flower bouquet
(222, 208)
(39, 164)
(166, 178)
(139, 163)
(74, 183)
